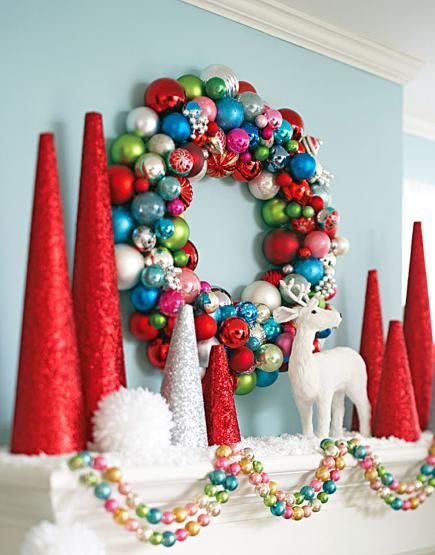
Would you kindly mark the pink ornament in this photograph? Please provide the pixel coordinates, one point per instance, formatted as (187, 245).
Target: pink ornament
(394, 485)
(111, 505)
(288, 513)
(235, 468)
(192, 508)
(205, 287)
(421, 497)
(274, 117)
(181, 534)
(170, 302)
(175, 207)
(221, 463)
(410, 488)
(265, 478)
(246, 157)
(431, 460)
(335, 475)
(285, 341)
(203, 519)
(237, 140)
(316, 485)
(124, 488)
(261, 121)
(406, 505)
(307, 511)
(132, 525)
(366, 463)
(329, 462)
(376, 484)
(100, 463)
(267, 133)
(168, 517)
(255, 478)
(208, 107)
(190, 285)
(280, 495)
(318, 242)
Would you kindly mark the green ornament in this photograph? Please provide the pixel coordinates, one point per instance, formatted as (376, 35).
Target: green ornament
(269, 357)
(261, 153)
(89, 479)
(381, 470)
(192, 85)
(210, 490)
(293, 210)
(216, 88)
(273, 212)
(76, 462)
(246, 383)
(180, 236)
(422, 478)
(257, 466)
(291, 146)
(158, 320)
(156, 538)
(308, 211)
(390, 498)
(432, 482)
(327, 442)
(126, 149)
(222, 496)
(142, 510)
(299, 498)
(181, 258)
(269, 500)
(322, 497)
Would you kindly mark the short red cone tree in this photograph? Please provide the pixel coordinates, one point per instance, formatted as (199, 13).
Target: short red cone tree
(396, 411)
(96, 298)
(418, 328)
(220, 410)
(49, 403)
(372, 342)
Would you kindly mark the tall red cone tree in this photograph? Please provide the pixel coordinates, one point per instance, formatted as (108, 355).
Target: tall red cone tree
(220, 410)
(372, 342)
(96, 298)
(396, 411)
(418, 328)
(49, 403)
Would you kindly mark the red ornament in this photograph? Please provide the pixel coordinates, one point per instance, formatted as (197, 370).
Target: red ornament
(220, 411)
(304, 252)
(180, 161)
(192, 252)
(317, 203)
(141, 184)
(157, 352)
(216, 142)
(396, 411)
(141, 328)
(300, 192)
(198, 158)
(304, 225)
(241, 359)
(280, 246)
(96, 297)
(221, 165)
(244, 86)
(165, 95)
(186, 193)
(234, 332)
(295, 121)
(273, 277)
(198, 140)
(205, 327)
(245, 171)
(169, 328)
(284, 179)
(49, 399)
(418, 328)
(212, 128)
(121, 181)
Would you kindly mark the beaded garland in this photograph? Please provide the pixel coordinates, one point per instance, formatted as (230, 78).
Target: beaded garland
(229, 463)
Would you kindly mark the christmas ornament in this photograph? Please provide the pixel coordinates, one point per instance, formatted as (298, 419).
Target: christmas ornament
(129, 265)
(126, 149)
(121, 182)
(262, 292)
(142, 121)
(165, 95)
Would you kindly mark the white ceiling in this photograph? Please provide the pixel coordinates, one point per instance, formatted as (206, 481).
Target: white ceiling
(405, 26)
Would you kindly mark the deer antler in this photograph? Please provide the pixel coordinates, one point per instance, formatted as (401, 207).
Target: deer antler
(301, 298)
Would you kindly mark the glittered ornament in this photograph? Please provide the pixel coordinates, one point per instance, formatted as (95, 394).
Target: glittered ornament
(221, 165)
(181, 385)
(180, 161)
(245, 171)
(273, 277)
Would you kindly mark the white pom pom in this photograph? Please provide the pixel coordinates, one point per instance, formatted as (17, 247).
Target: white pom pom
(64, 538)
(134, 422)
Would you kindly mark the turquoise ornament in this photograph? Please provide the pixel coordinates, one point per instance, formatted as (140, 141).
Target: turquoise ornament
(144, 298)
(397, 504)
(248, 311)
(360, 452)
(329, 486)
(227, 311)
(122, 223)
(302, 166)
(252, 131)
(177, 127)
(387, 478)
(277, 159)
(283, 133)
(253, 342)
(230, 113)
(154, 516)
(217, 477)
(310, 268)
(231, 483)
(168, 538)
(308, 492)
(103, 491)
(278, 509)
(265, 379)
(427, 469)
(164, 228)
(153, 276)
(272, 329)
(169, 187)
(86, 457)
(147, 208)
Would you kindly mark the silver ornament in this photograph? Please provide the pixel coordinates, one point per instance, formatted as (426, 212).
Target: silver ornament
(151, 166)
(262, 292)
(181, 386)
(322, 191)
(143, 121)
(340, 246)
(223, 296)
(160, 144)
(263, 313)
(263, 186)
(159, 256)
(144, 238)
(252, 104)
(129, 265)
(287, 269)
(172, 278)
(257, 331)
(225, 73)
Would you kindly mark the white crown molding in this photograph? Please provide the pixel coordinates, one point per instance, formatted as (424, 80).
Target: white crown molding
(419, 127)
(276, 19)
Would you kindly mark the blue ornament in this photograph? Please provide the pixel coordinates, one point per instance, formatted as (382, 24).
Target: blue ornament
(216, 315)
(324, 333)
(272, 329)
(277, 158)
(86, 457)
(102, 491)
(252, 131)
(310, 268)
(164, 228)
(308, 492)
(154, 516)
(322, 191)
(329, 486)
(264, 379)
(177, 127)
(169, 187)
(360, 452)
(253, 343)
(193, 106)
(302, 166)
(122, 223)
(396, 504)
(217, 477)
(283, 133)
(168, 538)
(227, 311)
(426, 469)
(144, 298)
(231, 483)
(387, 478)
(230, 113)
(153, 276)
(147, 208)
(278, 509)
(248, 311)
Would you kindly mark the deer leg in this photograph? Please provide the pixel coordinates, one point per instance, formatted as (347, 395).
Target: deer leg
(337, 414)
(324, 404)
(362, 404)
(305, 409)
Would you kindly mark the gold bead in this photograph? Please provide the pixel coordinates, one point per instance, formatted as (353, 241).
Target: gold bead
(355, 441)
(339, 463)
(192, 527)
(113, 474)
(223, 451)
(298, 513)
(401, 489)
(121, 516)
(432, 449)
(322, 473)
(246, 466)
(273, 487)
(371, 474)
(414, 502)
(180, 514)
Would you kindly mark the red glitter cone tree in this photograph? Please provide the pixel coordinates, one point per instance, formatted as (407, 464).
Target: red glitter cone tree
(49, 403)
(418, 328)
(372, 342)
(220, 410)
(396, 411)
(96, 298)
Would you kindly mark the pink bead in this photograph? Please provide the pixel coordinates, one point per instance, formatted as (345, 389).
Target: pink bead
(366, 463)
(234, 468)
(307, 511)
(422, 497)
(255, 478)
(335, 475)
(431, 459)
(111, 505)
(410, 488)
(288, 513)
(168, 517)
(376, 484)
(203, 519)
(343, 451)
(261, 121)
(329, 462)
(265, 477)
(245, 157)
(132, 525)
(124, 488)
(181, 534)
(267, 133)
(175, 207)
(221, 463)
(316, 485)
(406, 505)
(192, 508)
(394, 485)
(280, 495)
(100, 463)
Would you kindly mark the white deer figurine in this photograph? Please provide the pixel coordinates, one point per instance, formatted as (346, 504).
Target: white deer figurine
(323, 378)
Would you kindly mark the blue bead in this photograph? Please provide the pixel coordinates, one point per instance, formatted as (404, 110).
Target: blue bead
(264, 379)
(147, 207)
(230, 113)
(122, 223)
(217, 477)
(231, 483)
(278, 509)
(360, 452)
(253, 343)
(272, 329)
(86, 457)
(177, 127)
(164, 228)
(144, 298)
(397, 504)
(387, 479)
(103, 491)
(308, 492)
(302, 166)
(427, 469)
(227, 311)
(248, 311)
(311, 268)
(329, 486)
(154, 516)
(168, 538)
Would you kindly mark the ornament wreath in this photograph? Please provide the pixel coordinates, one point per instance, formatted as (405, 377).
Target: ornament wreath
(229, 463)
(213, 124)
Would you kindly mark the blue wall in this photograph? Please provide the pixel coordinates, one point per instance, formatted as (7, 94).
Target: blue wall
(418, 159)
(66, 58)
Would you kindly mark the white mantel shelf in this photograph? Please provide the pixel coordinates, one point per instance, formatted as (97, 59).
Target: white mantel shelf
(354, 521)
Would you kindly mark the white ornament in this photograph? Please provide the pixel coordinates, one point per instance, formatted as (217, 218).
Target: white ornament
(143, 121)
(64, 538)
(129, 264)
(134, 422)
(264, 186)
(262, 292)
(160, 144)
(225, 73)
(323, 378)
(204, 348)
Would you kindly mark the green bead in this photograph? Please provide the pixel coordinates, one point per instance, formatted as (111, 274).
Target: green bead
(126, 149)
(76, 463)
(273, 212)
(257, 466)
(261, 153)
(269, 500)
(422, 478)
(142, 510)
(181, 258)
(381, 470)
(291, 146)
(216, 88)
(158, 320)
(308, 211)
(432, 482)
(222, 496)
(322, 497)
(390, 498)
(156, 538)
(326, 442)
(192, 85)
(180, 236)
(246, 383)
(299, 497)
(210, 490)
(89, 479)
(293, 210)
